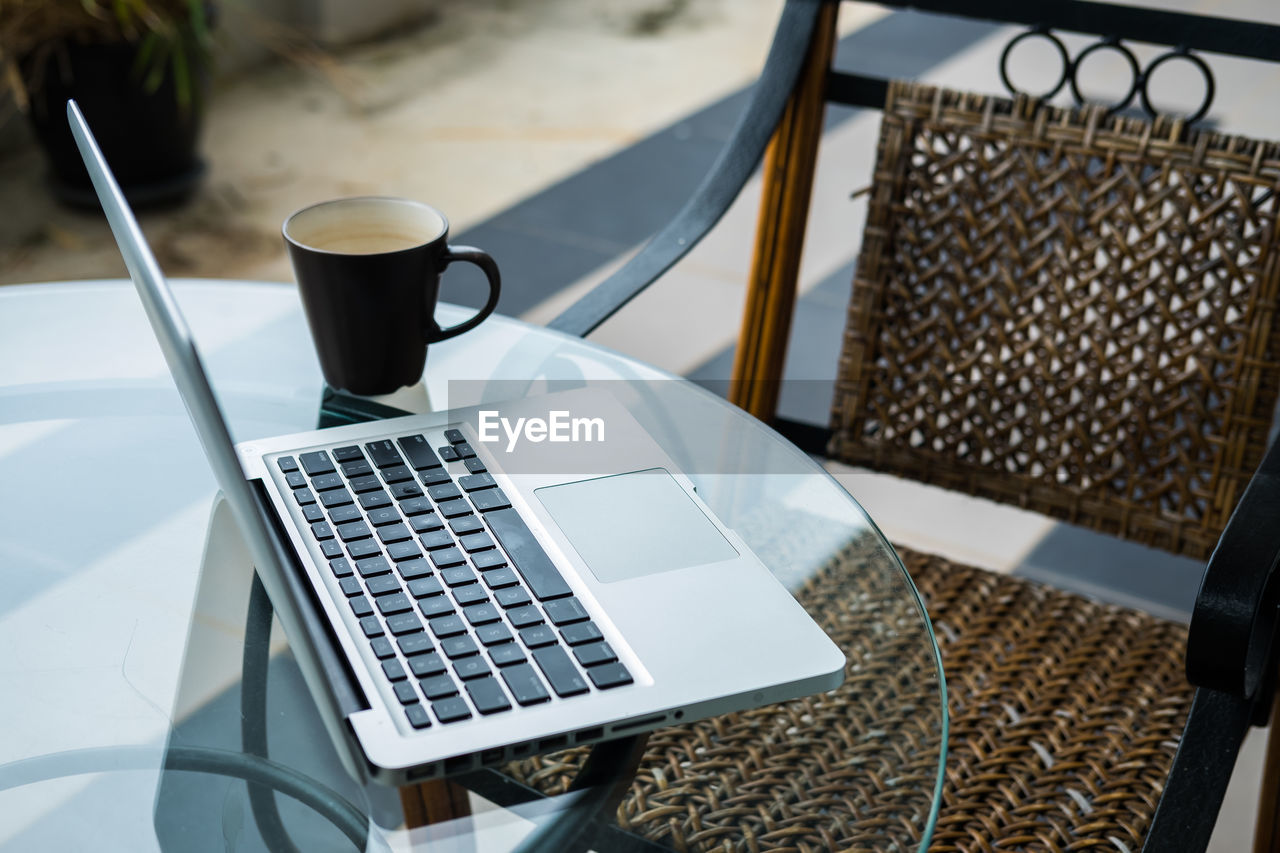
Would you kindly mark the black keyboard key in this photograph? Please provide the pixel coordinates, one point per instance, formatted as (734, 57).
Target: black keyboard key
(436, 539)
(340, 567)
(371, 627)
(383, 585)
(465, 451)
(406, 693)
(403, 551)
(321, 530)
(414, 644)
(465, 524)
(405, 491)
(487, 696)
(454, 436)
(486, 560)
(383, 453)
(474, 542)
(594, 654)
(413, 569)
(507, 654)
(353, 530)
(335, 497)
(538, 635)
(454, 508)
(526, 554)
(350, 586)
(382, 648)
(451, 710)
(418, 452)
(475, 465)
(448, 626)
(426, 523)
(438, 686)
(479, 614)
(583, 632)
(565, 611)
(295, 479)
(373, 500)
(448, 454)
(347, 454)
(416, 506)
(394, 670)
(472, 667)
(459, 647)
(490, 500)
(360, 606)
(500, 578)
(383, 516)
(446, 557)
(435, 478)
(362, 548)
(316, 463)
(609, 675)
(475, 482)
(523, 617)
(472, 593)
(524, 684)
(367, 483)
(457, 576)
(312, 513)
(560, 671)
(303, 497)
(343, 514)
(423, 587)
(436, 605)
(444, 492)
(372, 566)
(404, 623)
(427, 665)
(493, 634)
(394, 533)
(397, 603)
(512, 596)
(325, 482)
(417, 716)
(357, 468)
(287, 464)
(397, 474)
(331, 549)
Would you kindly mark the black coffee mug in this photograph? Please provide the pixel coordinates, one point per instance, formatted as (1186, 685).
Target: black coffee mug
(368, 271)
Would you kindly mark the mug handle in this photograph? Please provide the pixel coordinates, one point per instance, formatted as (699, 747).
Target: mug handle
(490, 269)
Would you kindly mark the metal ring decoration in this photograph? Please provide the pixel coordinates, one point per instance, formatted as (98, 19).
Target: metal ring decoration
(1179, 53)
(1136, 83)
(1044, 33)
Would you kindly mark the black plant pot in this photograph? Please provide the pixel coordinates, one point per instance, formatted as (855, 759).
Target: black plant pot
(149, 138)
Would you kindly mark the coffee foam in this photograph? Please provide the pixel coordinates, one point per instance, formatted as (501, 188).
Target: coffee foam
(365, 226)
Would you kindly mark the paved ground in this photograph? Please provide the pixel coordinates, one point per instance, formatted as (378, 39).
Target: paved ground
(559, 134)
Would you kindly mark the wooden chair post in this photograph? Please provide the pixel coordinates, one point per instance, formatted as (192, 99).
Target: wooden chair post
(784, 206)
(433, 802)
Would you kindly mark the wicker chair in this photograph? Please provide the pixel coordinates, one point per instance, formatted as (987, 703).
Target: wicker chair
(1060, 309)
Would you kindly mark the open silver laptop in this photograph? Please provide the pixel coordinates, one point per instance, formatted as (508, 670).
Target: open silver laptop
(451, 605)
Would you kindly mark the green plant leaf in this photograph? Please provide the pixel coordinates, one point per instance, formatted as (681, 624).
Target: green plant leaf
(182, 78)
(146, 54)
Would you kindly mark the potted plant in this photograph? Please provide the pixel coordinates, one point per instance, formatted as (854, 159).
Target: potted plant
(139, 70)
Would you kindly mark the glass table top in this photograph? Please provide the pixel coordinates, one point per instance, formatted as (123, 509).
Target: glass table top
(122, 617)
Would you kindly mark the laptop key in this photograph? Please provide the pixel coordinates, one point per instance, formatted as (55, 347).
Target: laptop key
(394, 670)
(503, 577)
(594, 654)
(475, 465)
(362, 548)
(436, 539)
(367, 483)
(382, 648)
(404, 623)
(436, 605)
(357, 468)
(454, 436)
(443, 492)
(494, 634)
(474, 542)
(448, 626)
(422, 587)
(416, 506)
(312, 513)
(331, 549)
(526, 554)
(583, 632)
(476, 482)
(405, 491)
(353, 530)
(335, 497)
(371, 627)
(451, 710)
(371, 566)
(287, 464)
(523, 617)
(394, 533)
(398, 603)
(490, 499)
(418, 451)
(425, 523)
(405, 693)
(524, 684)
(438, 686)
(447, 557)
(538, 635)
(560, 671)
(383, 516)
(479, 614)
(383, 585)
(465, 524)
(303, 497)
(414, 644)
(512, 596)
(397, 474)
(373, 500)
(465, 451)
(609, 675)
(472, 667)
(383, 453)
(403, 551)
(321, 530)
(316, 462)
(507, 654)
(340, 567)
(295, 479)
(348, 453)
(417, 716)
(472, 594)
(448, 454)
(435, 478)
(325, 482)
(426, 666)
(350, 586)
(459, 647)
(413, 569)
(343, 514)
(453, 508)
(486, 560)
(565, 611)
(487, 696)
(457, 576)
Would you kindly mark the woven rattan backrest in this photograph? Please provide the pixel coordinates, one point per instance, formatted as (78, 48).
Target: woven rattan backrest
(1065, 311)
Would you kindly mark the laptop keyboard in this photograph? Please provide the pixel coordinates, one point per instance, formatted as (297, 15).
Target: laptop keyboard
(456, 598)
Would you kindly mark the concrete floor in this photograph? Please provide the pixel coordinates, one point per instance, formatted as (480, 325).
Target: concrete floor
(558, 134)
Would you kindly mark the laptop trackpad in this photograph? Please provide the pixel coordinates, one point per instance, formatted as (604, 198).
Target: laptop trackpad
(630, 525)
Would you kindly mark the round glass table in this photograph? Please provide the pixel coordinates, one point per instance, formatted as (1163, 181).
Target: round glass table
(125, 591)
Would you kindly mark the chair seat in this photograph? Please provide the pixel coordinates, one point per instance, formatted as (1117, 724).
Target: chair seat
(1065, 716)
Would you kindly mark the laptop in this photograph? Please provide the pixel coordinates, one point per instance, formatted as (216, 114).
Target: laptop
(454, 601)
